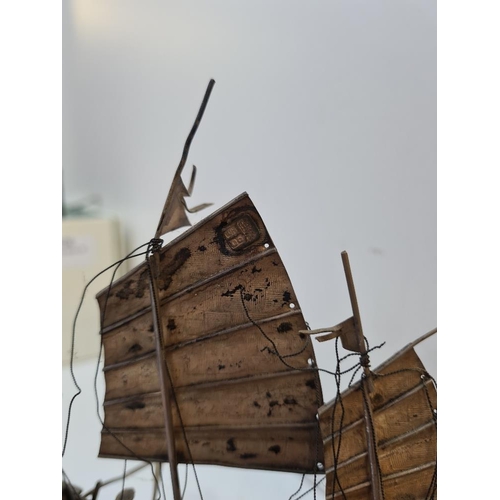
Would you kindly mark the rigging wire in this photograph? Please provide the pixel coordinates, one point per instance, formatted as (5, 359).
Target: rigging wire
(73, 333)
(124, 476)
(116, 265)
(103, 315)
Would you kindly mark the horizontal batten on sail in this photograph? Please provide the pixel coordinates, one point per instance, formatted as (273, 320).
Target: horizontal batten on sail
(422, 476)
(190, 289)
(392, 402)
(125, 349)
(292, 448)
(382, 446)
(250, 401)
(220, 383)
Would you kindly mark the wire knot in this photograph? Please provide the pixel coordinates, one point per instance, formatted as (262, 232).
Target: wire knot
(155, 245)
(364, 360)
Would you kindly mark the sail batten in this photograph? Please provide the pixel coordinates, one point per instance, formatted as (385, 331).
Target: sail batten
(386, 406)
(131, 356)
(187, 290)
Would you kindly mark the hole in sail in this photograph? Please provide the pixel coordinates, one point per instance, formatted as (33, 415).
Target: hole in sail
(292, 306)
(310, 362)
(320, 466)
(266, 245)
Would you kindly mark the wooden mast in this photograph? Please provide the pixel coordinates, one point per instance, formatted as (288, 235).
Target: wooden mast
(165, 383)
(376, 490)
(172, 217)
(350, 332)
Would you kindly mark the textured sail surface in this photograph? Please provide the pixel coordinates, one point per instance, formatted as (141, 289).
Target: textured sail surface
(404, 399)
(226, 304)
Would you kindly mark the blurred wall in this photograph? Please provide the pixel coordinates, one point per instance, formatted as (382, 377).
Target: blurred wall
(324, 112)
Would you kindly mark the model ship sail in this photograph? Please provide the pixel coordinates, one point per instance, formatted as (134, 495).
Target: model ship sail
(403, 403)
(379, 436)
(204, 362)
(226, 305)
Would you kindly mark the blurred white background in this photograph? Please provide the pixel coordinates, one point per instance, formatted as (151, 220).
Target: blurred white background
(324, 112)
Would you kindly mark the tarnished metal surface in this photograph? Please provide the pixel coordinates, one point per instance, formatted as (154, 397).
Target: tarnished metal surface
(226, 307)
(403, 401)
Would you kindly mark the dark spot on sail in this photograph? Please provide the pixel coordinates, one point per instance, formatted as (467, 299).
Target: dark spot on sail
(230, 293)
(248, 296)
(142, 284)
(169, 269)
(135, 348)
(275, 449)
(136, 405)
(284, 327)
(257, 405)
(230, 445)
(171, 324)
(268, 394)
(255, 270)
(275, 300)
(126, 291)
(286, 297)
(273, 403)
(290, 401)
(205, 443)
(202, 248)
(311, 383)
(221, 367)
(275, 263)
(151, 328)
(377, 398)
(270, 412)
(245, 456)
(302, 336)
(258, 290)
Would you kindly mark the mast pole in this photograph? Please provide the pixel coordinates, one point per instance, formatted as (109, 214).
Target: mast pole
(367, 386)
(177, 189)
(165, 382)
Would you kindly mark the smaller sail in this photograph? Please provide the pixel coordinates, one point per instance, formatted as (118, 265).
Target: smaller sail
(404, 402)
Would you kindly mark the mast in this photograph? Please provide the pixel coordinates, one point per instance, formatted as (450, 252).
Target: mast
(387, 422)
(204, 359)
(350, 332)
(173, 216)
(376, 491)
(165, 384)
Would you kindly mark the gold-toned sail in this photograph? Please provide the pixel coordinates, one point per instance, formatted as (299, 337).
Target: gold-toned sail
(403, 404)
(230, 321)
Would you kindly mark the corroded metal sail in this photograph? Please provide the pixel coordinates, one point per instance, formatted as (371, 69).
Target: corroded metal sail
(230, 321)
(379, 436)
(403, 402)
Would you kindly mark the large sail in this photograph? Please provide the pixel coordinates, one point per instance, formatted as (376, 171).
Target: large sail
(404, 425)
(230, 322)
